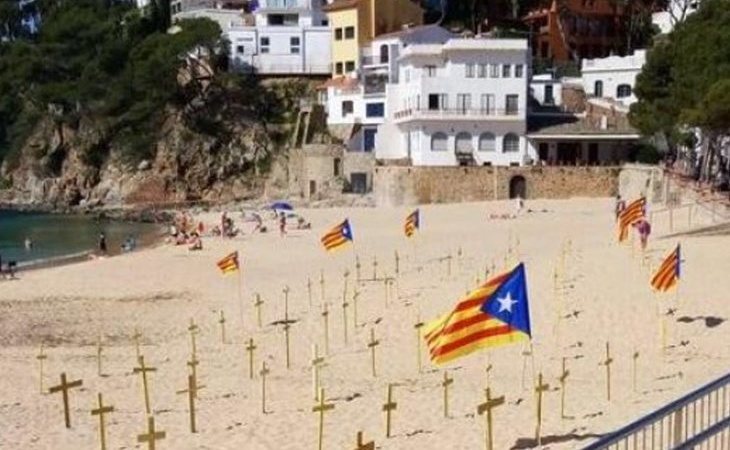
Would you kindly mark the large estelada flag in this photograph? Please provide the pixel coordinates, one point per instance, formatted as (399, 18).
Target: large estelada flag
(634, 212)
(229, 264)
(668, 273)
(337, 236)
(413, 223)
(496, 313)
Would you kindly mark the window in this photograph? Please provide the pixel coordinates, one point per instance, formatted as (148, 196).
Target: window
(470, 70)
(368, 139)
(463, 143)
(437, 101)
(283, 19)
(519, 70)
(511, 105)
(265, 44)
(623, 91)
(337, 167)
(494, 71)
(430, 71)
(482, 70)
(239, 49)
(598, 88)
(338, 68)
(347, 107)
(349, 32)
(463, 103)
(338, 34)
(549, 99)
(384, 54)
(374, 110)
(506, 71)
(294, 45)
(487, 103)
(487, 142)
(350, 66)
(511, 143)
(439, 142)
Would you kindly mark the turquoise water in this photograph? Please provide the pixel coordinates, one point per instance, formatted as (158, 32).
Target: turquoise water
(55, 236)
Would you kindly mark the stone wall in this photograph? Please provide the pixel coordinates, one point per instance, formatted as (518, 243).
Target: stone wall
(395, 186)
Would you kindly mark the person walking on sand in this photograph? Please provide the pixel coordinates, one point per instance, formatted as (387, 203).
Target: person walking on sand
(282, 224)
(644, 229)
(102, 243)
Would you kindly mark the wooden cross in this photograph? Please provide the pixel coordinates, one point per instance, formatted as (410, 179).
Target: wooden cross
(325, 322)
(386, 285)
(539, 389)
(152, 435)
(321, 408)
(388, 407)
(345, 304)
(286, 341)
(194, 330)
(355, 297)
(563, 378)
(41, 357)
(445, 384)
(317, 364)
(142, 369)
(607, 362)
(264, 371)
(192, 392)
(375, 268)
(98, 356)
(309, 291)
(250, 347)
(397, 264)
(286, 291)
(459, 254)
(257, 304)
(100, 411)
(635, 359)
(357, 268)
(487, 408)
(526, 354)
(222, 321)
(193, 364)
(418, 327)
(448, 260)
(364, 445)
(372, 344)
(321, 286)
(63, 388)
(136, 336)
(345, 277)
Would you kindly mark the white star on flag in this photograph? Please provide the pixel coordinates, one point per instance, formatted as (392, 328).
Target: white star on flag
(505, 303)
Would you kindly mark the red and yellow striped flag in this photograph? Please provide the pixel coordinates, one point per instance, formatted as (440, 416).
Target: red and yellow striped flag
(413, 223)
(667, 275)
(634, 212)
(229, 264)
(337, 236)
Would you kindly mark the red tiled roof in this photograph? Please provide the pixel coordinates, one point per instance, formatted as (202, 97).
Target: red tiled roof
(340, 83)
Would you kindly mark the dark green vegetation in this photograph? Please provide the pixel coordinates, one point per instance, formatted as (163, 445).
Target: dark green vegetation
(685, 84)
(105, 62)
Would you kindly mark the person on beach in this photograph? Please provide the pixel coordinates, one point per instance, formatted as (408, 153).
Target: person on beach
(28, 244)
(282, 224)
(643, 227)
(519, 205)
(196, 242)
(620, 206)
(102, 243)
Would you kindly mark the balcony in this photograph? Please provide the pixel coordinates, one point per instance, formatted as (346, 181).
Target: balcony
(378, 60)
(284, 5)
(408, 115)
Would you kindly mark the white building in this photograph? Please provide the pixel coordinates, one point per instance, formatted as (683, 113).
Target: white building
(225, 18)
(613, 77)
(289, 37)
(461, 102)
(546, 90)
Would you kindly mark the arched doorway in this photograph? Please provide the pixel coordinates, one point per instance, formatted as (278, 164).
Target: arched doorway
(517, 187)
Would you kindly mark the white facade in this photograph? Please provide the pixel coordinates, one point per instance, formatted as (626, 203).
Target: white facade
(461, 102)
(546, 90)
(225, 18)
(613, 77)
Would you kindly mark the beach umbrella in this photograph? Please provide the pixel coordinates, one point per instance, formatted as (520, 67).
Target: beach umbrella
(281, 206)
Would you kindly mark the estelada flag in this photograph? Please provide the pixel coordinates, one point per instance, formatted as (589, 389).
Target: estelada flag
(229, 264)
(634, 212)
(668, 273)
(338, 236)
(413, 223)
(496, 313)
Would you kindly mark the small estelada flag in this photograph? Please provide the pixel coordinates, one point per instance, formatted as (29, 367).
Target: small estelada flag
(229, 264)
(337, 236)
(633, 213)
(667, 275)
(413, 223)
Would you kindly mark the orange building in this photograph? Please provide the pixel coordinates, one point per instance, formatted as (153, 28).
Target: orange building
(565, 30)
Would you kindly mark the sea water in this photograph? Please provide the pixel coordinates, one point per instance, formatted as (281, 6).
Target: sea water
(55, 236)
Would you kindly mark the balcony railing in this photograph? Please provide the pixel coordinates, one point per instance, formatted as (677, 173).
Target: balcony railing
(374, 60)
(456, 113)
(285, 4)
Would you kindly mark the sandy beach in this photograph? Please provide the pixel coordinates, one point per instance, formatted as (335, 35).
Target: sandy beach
(602, 295)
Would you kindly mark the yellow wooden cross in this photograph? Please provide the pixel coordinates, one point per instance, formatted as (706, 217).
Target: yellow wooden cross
(445, 384)
(325, 324)
(142, 369)
(397, 264)
(357, 268)
(487, 408)
(418, 327)
(364, 445)
(136, 336)
(286, 291)
(635, 361)
(321, 408)
(98, 356)
(345, 304)
(222, 322)
(41, 357)
(345, 277)
(193, 364)
(388, 407)
(372, 344)
(563, 381)
(375, 267)
(250, 347)
(264, 371)
(355, 297)
(194, 330)
(317, 364)
(257, 304)
(152, 435)
(539, 389)
(607, 362)
(287, 326)
(192, 392)
(321, 287)
(309, 291)
(100, 411)
(63, 388)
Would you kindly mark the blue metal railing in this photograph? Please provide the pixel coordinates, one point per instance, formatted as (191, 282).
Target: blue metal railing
(686, 423)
